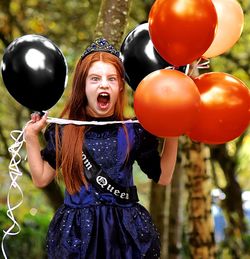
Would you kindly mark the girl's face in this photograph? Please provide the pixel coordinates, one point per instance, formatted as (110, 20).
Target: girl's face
(102, 89)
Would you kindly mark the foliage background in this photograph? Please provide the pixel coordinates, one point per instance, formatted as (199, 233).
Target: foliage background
(70, 24)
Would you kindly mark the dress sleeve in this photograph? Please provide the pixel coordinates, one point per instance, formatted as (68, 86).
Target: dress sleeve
(147, 154)
(49, 152)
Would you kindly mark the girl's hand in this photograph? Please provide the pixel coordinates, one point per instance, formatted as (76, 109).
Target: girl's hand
(36, 124)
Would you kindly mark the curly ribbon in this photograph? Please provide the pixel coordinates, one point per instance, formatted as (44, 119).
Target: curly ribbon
(203, 64)
(187, 68)
(199, 64)
(14, 174)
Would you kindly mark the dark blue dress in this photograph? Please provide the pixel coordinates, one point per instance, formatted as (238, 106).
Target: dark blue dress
(96, 225)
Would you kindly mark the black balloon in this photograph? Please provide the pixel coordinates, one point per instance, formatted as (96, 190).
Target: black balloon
(140, 57)
(34, 72)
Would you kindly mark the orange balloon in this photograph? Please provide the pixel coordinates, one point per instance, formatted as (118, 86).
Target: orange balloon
(182, 30)
(230, 25)
(224, 110)
(166, 103)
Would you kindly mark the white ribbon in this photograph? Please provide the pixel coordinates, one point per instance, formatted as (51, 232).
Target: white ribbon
(76, 122)
(14, 174)
(199, 64)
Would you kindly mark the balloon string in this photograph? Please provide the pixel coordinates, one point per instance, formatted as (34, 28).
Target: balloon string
(76, 122)
(186, 72)
(14, 174)
(200, 65)
(187, 69)
(204, 64)
(170, 67)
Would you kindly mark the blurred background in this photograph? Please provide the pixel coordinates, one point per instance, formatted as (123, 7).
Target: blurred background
(204, 213)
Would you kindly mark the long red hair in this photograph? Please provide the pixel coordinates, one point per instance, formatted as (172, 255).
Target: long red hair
(73, 136)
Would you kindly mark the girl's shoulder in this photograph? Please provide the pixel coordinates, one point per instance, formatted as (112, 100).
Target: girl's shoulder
(140, 133)
(51, 129)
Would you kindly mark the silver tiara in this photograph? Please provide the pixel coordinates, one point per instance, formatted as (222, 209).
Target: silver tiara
(100, 44)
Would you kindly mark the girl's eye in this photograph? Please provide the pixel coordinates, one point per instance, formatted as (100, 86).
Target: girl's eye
(94, 78)
(112, 79)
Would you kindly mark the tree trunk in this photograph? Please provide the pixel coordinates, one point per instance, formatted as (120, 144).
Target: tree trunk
(200, 229)
(159, 210)
(176, 211)
(112, 20)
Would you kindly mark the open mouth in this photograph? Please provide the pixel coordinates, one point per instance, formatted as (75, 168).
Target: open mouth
(103, 100)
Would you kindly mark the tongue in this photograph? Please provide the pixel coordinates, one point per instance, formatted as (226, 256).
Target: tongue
(103, 101)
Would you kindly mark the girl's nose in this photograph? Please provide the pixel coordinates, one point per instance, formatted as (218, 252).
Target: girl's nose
(104, 83)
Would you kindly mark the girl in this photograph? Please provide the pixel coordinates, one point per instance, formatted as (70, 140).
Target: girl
(101, 217)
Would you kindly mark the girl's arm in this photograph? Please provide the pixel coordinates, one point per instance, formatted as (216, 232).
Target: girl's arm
(41, 172)
(168, 160)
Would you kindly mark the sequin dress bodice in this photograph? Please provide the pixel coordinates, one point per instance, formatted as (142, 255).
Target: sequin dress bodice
(108, 148)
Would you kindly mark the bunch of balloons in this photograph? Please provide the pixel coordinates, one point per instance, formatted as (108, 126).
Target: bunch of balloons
(34, 72)
(140, 58)
(213, 108)
(183, 31)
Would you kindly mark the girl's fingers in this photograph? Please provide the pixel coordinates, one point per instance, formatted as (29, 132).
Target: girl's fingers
(37, 116)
